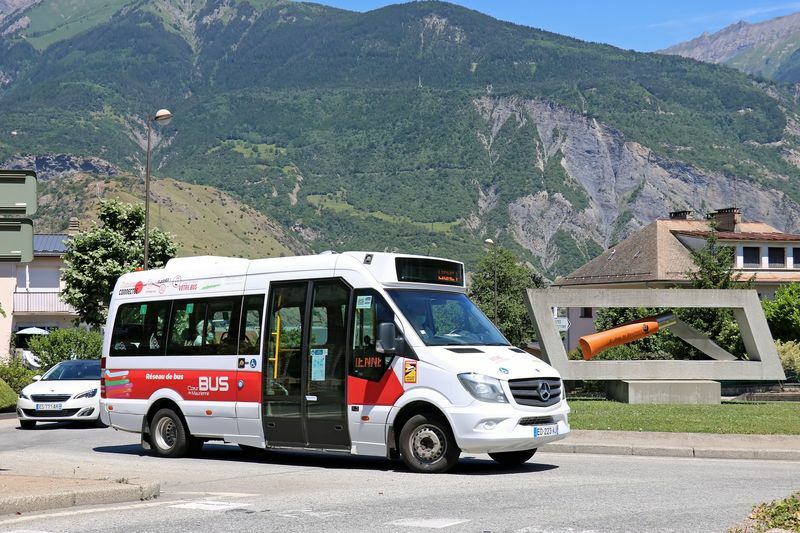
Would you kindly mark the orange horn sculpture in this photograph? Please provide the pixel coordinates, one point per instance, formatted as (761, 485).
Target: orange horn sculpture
(595, 343)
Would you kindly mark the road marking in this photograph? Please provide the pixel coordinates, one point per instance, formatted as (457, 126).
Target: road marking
(81, 512)
(308, 513)
(219, 494)
(429, 523)
(210, 505)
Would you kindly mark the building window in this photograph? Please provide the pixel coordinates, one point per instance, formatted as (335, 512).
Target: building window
(586, 312)
(777, 257)
(752, 256)
(796, 254)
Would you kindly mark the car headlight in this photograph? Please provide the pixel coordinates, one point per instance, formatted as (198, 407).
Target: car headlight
(24, 396)
(87, 394)
(483, 387)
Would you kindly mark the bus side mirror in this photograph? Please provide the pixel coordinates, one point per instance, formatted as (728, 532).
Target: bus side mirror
(388, 341)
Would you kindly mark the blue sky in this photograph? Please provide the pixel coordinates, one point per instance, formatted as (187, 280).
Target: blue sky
(643, 25)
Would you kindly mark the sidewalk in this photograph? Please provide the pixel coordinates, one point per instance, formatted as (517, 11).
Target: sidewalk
(20, 494)
(706, 445)
(26, 494)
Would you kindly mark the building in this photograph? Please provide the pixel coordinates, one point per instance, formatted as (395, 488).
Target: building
(660, 256)
(29, 292)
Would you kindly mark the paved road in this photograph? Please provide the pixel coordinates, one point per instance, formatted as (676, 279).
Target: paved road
(222, 490)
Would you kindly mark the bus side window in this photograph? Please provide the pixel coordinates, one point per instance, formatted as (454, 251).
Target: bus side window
(370, 311)
(250, 328)
(140, 328)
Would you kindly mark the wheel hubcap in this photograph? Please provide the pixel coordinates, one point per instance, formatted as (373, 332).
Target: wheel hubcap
(428, 443)
(166, 433)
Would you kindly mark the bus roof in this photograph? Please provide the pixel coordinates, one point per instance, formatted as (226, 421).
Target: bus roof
(388, 269)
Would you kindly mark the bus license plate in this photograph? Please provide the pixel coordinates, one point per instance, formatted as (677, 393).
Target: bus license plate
(48, 406)
(545, 431)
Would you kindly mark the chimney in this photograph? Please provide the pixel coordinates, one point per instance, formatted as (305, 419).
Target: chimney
(679, 215)
(727, 219)
(74, 226)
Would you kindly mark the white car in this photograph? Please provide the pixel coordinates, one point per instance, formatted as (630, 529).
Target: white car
(70, 391)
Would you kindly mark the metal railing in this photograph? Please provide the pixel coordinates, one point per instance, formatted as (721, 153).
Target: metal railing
(41, 302)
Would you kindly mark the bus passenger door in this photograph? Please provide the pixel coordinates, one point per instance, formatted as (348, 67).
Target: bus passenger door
(326, 358)
(283, 363)
(305, 364)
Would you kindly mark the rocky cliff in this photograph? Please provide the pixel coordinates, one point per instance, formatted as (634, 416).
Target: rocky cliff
(625, 185)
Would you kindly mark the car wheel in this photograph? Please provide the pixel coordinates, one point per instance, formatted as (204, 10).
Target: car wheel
(427, 444)
(27, 424)
(168, 435)
(513, 458)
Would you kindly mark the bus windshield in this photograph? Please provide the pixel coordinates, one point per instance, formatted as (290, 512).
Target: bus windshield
(447, 318)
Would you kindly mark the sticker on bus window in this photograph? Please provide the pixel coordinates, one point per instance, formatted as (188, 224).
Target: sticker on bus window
(189, 309)
(143, 309)
(318, 356)
(410, 372)
(363, 302)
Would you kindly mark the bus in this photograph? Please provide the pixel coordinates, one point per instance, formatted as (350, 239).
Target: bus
(366, 353)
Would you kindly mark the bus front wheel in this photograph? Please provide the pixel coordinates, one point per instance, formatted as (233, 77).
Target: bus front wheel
(168, 435)
(427, 444)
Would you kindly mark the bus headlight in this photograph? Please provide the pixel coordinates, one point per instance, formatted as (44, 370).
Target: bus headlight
(483, 388)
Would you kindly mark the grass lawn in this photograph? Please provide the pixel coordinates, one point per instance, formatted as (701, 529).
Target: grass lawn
(778, 418)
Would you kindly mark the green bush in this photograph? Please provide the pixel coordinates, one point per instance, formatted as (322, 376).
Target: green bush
(789, 353)
(783, 313)
(779, 515)
(8, 398)
(63, 344)
(15, 374)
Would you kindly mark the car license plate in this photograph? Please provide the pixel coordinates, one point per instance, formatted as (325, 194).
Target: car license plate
(545, 431)
(48, 406)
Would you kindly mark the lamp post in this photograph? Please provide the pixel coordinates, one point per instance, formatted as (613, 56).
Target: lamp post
(163, 116)
(490, 244)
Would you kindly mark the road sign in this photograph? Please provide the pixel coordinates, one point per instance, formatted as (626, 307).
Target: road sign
(16, 240)
(18, 192)
(562, 323)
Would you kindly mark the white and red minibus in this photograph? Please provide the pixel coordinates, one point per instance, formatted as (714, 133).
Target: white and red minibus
(368, 353)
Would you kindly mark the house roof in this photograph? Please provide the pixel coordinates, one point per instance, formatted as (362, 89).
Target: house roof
(744, 236)
(50, 244)
(655, 253)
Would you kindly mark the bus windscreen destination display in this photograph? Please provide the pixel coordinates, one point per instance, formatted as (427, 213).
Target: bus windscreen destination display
(418, 270)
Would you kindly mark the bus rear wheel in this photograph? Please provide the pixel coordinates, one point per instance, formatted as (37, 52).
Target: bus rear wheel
(513, 458)
(168, 435)
(427, 444)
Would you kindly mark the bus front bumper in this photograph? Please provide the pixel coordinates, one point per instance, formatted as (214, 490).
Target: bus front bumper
(491, 428)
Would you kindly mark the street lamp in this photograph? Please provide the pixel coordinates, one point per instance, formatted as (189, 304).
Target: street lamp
(163, 116)
(490, 244)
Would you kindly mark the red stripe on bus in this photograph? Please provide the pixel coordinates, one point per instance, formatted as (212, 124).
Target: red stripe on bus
(211, 385)
(364, 392)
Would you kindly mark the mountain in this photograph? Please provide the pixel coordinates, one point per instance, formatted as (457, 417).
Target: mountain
(770, 49)
(203, 220)
(422, 127)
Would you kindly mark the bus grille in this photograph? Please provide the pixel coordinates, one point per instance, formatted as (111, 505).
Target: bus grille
(536, 421)
(50, 398)
(536, 392)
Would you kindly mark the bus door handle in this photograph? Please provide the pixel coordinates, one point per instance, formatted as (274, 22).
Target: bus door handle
(311, 398)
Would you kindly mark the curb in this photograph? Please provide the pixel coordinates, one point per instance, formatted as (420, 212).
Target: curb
(674, 451)
(112, 493)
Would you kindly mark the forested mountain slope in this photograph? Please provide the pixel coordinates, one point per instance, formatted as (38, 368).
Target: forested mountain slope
(423, 127)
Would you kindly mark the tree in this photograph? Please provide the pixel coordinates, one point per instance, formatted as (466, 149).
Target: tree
(783, 313)
(513, 279)
(96, 258)
(715, 270)
(63, 344)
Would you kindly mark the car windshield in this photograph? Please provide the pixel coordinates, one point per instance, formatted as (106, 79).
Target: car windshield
(447, 318)
(79, 369)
